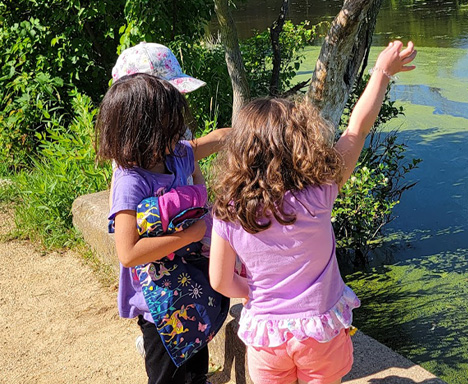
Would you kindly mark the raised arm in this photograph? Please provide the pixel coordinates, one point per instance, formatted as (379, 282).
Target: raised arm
(390, 61)
(132, 251)
(210, 143)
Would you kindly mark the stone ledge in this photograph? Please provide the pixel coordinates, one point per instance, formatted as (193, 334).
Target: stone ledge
(90, 219)
(374, 363)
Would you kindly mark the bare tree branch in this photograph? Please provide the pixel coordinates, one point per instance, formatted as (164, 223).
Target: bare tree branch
(275, 31)
(295, 89)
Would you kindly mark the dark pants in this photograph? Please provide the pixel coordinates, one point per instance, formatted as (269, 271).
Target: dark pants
(159, 366)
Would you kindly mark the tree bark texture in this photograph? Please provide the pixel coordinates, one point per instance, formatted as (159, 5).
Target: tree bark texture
(235, 65)
(275, 31)
(346, 45)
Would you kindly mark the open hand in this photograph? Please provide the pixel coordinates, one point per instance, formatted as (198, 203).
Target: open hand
(393, 59)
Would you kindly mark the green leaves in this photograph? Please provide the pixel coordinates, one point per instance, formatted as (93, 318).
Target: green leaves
(65, 169)
(366, 201)
(258, 56)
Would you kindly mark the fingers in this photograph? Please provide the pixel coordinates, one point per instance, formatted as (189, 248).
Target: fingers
(407, 68)
(406, 56)
(408, 50)
(390, 46)
(394, 58)
(397, 44)
(409, 58)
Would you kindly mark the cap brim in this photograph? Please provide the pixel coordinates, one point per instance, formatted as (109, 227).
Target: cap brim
(186, 84)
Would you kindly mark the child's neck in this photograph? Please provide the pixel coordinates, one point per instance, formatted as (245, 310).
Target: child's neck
(158, 168)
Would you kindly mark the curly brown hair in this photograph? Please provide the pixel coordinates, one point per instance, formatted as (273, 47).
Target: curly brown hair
(275, 146)
(141, 117)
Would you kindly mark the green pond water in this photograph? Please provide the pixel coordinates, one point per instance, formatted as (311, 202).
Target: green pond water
(414, 291)
(422, 279)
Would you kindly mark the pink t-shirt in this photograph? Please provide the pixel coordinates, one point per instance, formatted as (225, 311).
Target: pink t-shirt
(292, 272)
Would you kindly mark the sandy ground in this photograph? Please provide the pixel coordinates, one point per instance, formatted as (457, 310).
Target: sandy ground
(58, 321)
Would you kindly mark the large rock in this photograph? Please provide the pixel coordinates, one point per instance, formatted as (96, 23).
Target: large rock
(374, 363)
(90, 218)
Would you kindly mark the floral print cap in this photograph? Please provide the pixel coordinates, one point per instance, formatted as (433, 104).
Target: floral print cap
(155, 59)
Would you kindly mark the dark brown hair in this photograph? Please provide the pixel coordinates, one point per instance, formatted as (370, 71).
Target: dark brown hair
(275, 146)
(141, 117)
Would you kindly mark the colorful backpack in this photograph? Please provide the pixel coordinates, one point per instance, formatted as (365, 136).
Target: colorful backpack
(187, 312)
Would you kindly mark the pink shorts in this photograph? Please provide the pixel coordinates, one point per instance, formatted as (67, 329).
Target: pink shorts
(306, 360)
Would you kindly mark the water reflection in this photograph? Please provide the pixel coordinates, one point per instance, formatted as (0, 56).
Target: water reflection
(436, 23)
(431, 23)
(429, 96)
(461, 68)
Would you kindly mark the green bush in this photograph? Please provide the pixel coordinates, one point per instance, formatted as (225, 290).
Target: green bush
(69, 45)
(26, 92)
(65, 170)
(28, 103)
(365, 203)
(51, 46)
(205, 60)
(258, 56)
(164, 21)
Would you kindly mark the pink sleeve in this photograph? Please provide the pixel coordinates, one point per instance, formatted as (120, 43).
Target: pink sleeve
(330, 192)
(323, 195)
(221, 228)
(179, 199)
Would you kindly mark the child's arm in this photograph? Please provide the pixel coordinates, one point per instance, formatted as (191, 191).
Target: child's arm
(351, 142)
(208, 144)
(197, 175)
(133, 251)
(222, 263)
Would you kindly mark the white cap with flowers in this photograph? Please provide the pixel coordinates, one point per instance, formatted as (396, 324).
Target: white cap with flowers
(155, 59)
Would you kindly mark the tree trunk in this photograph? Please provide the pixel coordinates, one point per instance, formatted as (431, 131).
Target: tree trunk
(275, 31)
(346, 45)
(235, 65)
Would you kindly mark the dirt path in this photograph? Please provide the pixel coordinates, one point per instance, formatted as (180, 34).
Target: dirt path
(58, 323)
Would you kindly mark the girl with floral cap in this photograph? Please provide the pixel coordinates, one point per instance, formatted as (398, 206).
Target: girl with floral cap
(140, 127)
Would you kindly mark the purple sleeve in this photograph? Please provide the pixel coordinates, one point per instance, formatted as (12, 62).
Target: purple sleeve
(129, 190)
(184, 159)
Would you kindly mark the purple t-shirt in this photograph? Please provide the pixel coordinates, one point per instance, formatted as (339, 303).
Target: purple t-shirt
(292, 271)
(130, 187)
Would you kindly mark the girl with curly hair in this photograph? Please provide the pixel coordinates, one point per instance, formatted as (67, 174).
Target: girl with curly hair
(280, 176)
